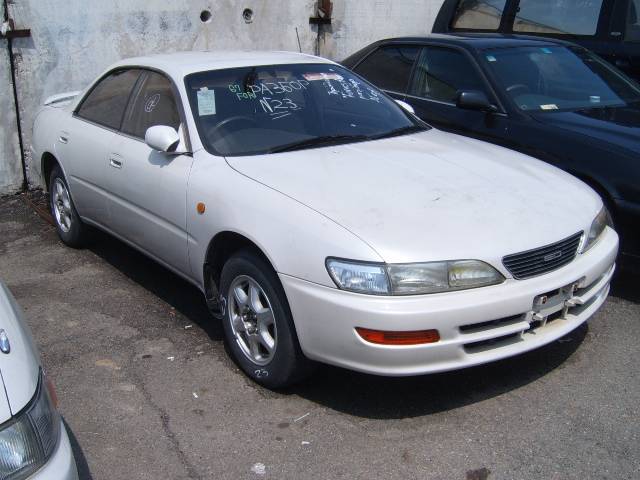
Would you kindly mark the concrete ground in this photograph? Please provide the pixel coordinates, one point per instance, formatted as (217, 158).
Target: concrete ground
(148, 391)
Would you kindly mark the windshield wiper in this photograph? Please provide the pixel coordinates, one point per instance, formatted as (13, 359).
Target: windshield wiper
(318, 141)
(400, 131)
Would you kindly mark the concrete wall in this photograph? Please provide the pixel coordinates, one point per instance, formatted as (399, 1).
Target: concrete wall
(74, 40)
(11, 178)
(359, 23)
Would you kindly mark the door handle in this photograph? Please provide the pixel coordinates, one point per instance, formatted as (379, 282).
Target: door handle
(63, 139)
(115, 163)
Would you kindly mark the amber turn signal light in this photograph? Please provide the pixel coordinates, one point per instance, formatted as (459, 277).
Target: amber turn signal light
(52, 391)
(382, 337)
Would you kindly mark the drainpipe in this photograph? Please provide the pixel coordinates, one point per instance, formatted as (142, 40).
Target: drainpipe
(324, 9)
(8, 32)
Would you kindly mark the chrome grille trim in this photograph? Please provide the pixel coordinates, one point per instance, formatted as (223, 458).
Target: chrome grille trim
(532, 262)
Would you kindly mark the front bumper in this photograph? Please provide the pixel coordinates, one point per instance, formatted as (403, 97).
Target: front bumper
(61, 465)
(476, 326)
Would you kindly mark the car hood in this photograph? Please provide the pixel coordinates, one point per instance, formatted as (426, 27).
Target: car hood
(20, 367)
(618, 126)
(432, 195)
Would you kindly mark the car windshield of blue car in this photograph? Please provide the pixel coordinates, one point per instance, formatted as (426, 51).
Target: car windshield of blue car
(548, 79)
(277, 108)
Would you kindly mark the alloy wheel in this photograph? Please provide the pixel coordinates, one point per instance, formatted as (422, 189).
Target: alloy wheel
(61, 202)
(252, 320)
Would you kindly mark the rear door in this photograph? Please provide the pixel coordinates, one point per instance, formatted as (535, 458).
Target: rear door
(630, 55)
(441, 73)
(147, 188)
(85, 142)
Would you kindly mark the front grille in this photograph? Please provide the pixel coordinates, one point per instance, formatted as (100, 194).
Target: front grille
(544, 259)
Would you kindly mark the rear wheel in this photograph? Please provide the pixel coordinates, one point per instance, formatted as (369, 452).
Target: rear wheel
(258, 325)
(71, 230)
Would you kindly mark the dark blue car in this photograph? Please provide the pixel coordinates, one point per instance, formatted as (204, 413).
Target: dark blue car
(547, 98)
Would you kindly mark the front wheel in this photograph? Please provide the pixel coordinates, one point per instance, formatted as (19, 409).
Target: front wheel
(71, 230)
(258, 325)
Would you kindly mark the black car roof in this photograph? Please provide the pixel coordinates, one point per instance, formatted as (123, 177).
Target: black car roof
(479, 41)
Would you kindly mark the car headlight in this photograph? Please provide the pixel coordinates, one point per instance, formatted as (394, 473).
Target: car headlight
(599, 224)
(28, 440)
(411, 278)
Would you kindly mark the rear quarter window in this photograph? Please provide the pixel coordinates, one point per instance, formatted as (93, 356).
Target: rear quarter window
(478, 15)
(633, 22)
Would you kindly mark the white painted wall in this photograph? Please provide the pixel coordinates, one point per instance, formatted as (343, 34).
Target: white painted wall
(360, 22)
(74, 40)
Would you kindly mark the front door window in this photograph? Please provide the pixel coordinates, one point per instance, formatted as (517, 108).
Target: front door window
(443, 72)
(559, 17)
(153, 104)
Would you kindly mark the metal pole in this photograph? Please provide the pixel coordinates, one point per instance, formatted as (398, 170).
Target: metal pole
(15, 98)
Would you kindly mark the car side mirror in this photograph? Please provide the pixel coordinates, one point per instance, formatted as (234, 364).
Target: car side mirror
(162, 138)
(475, 100)
(406, 106)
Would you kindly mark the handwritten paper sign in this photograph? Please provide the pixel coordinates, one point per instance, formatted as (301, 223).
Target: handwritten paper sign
(206, 102)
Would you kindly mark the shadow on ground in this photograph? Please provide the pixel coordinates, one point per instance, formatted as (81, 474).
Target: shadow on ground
(370, 396)
(351, 392)
(171, 288)
(626, 284)
(81, 462)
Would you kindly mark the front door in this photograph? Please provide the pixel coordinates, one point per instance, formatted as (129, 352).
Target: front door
(147, 201)
(440, 74)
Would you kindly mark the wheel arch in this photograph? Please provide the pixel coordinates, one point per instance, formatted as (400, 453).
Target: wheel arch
(48, 161)
(222, 247)
(605, 193)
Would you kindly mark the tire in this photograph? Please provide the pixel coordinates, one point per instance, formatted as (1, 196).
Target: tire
(71, 230)
(252, 323)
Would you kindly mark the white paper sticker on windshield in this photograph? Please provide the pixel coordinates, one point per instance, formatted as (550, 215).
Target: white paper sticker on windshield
(206, 102)
(321, 76)
(594, 98)
(491, 58)
(549, 106)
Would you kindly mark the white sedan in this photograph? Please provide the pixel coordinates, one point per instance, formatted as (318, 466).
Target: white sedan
(33, 439)
(321, 220)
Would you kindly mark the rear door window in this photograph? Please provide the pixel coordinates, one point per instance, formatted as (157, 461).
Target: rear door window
(106, 103)
(153, 104)
(478, 15)
(558, 17)
(442, 72)
(389, 67)
(633, 22)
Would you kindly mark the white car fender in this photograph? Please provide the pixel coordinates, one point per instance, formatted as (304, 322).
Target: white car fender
(296, 241)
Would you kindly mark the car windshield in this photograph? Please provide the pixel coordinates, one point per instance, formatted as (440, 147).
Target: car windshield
(556, 78)
(267, 109)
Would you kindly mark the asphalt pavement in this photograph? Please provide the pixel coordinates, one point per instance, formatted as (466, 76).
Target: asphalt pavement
(148, 392)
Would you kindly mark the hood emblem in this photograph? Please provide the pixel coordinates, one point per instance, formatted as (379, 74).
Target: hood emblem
(5, 346)
(552, 256)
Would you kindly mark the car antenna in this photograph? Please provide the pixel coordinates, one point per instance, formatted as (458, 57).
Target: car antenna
(298, 37)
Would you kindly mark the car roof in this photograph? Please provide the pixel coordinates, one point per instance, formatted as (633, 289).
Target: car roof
(479, 41)
(183, 63)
